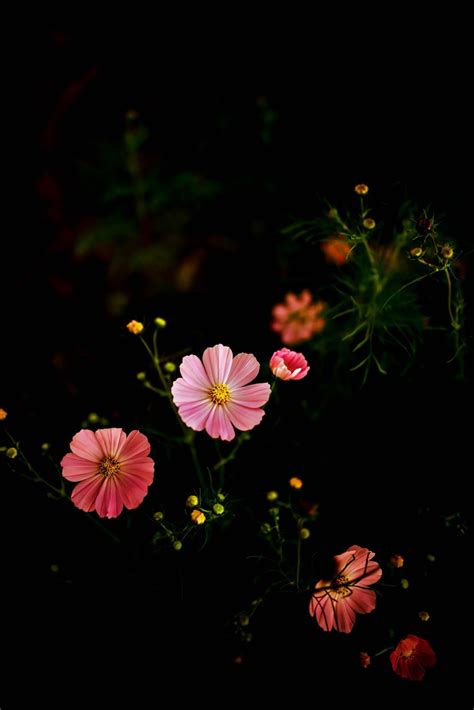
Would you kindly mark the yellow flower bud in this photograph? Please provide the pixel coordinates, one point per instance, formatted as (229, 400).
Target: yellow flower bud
(141, 376)
(447, 252)
(416, 252)
(3, 414)
(158, 516)
(304, 533)
(296, 483)
(218, 508)
(423, 616)
(177, 545)
(54, 568)
(369, 223)
(93, 418)
(272, 495)
(192, 501)
(274, 512)
(265, 528)
(12, 453)
(135, 327)
(244, 620)
(160, 322)
(169, 367)
(405, 583)
(221, 496)
(361, 189)
(198, 517)
(430, 557)
(46, 446)
(333, 213)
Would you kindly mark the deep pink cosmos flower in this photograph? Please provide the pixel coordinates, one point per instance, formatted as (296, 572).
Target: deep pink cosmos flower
(113, 470)
(289, 365)
(215, 395)
(335, 602)
(411, 657)
(298, 318)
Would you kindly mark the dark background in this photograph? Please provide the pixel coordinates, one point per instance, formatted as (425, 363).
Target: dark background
(386, 463)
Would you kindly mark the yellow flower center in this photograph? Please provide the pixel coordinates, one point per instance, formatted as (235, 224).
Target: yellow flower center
(109, 467)
(219, 394)
(340, 588)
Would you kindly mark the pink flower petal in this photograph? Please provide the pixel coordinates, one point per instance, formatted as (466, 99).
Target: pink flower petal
(140, 467)
(132, 490)
(345, 616)
(251, 395)
(195, 415)
(322, 607)
(111, 441)
(243, 418)
(217, 363)
(361, 567)
(218, 424)
(85, 493)
(183, 392)
(193, 372)
(136, 445)
(108, 503)
(244, 369)
(362, 601)
(78, 469)
(85, 445)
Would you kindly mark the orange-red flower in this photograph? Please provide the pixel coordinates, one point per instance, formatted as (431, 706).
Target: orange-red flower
(364, 659)
(411, 657)
(336, 250)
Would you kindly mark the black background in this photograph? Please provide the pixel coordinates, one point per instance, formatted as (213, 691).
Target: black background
(386, 463)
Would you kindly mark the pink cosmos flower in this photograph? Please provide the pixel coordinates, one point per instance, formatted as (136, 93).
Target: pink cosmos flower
(411, 657)
(289, 365)
(298, 318)
(215, 395)
(335, 602)
(113, 470)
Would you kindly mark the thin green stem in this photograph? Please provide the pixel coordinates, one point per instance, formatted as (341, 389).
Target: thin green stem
(369, 252)
(298, 563)
(454, 322)
(188, 434)
(61, 492)
(389, 648)
(410, 283)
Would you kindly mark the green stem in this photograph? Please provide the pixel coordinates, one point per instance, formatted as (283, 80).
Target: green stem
(369, 252)
(188, 434)
(39, 479)
(389, 648)
(298, 563)
(454, 322)
(61, 492)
